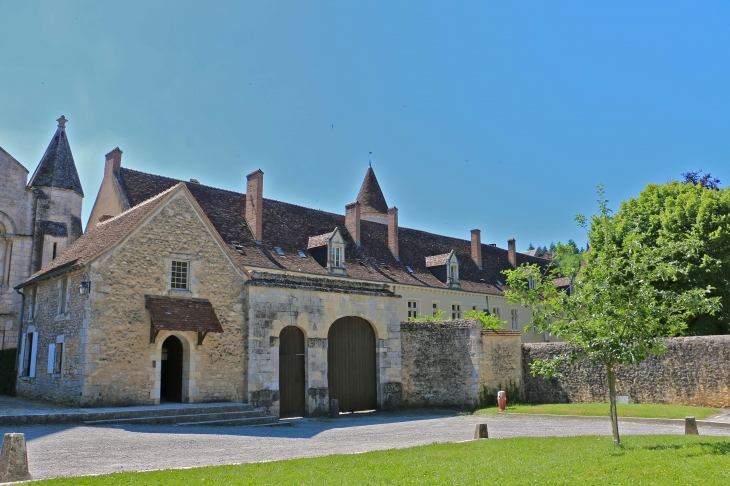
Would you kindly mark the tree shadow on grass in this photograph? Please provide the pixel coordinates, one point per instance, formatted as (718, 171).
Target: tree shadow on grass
(721, 448)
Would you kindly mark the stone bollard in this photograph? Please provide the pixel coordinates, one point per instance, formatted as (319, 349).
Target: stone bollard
(690, 426)
(334, 408)
(481, 432)
(14, 459)
(391, 403)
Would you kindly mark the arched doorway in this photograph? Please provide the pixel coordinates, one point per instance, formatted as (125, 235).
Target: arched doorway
(351, 364)
(171, 370)
(291, 372)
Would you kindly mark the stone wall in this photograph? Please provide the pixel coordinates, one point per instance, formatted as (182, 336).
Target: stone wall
(693, 371)
(441, 362)
(501, 361)
(313, 304)
(65, 387)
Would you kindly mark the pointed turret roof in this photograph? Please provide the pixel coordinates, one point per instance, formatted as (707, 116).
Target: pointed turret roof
(371, 197)
(57, 167)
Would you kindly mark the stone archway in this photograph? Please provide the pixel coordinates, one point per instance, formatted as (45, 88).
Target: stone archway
(171, 367)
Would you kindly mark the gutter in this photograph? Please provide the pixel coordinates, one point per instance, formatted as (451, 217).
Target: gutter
(50, 274)
(20, 340)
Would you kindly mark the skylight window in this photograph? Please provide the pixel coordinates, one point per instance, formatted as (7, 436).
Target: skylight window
(279, 250)
(500, 282)
(301, 254)
(410, 270)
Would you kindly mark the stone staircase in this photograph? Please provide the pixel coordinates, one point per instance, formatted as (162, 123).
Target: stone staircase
(203, 414)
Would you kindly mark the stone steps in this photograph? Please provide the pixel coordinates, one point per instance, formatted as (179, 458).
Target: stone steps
(145, 414)
(262, 420)
(249, 414)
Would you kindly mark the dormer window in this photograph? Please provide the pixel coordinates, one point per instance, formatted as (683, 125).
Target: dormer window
(445, 268)
(329, 251)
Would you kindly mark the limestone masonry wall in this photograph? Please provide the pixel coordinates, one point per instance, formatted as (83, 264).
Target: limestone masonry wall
(441, 362)
(693, 371)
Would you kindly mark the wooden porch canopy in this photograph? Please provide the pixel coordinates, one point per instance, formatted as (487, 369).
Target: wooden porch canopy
(172, 314)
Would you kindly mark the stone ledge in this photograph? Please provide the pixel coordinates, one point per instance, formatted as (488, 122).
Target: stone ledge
(319, 284)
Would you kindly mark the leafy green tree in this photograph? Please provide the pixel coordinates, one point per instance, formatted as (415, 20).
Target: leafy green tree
(489, 321)
(666, 216)
(614, 315)
(530, 247)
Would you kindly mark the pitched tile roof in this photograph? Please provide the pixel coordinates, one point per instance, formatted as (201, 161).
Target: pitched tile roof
(99, 238)
(371, 197)
(177, 314)
(437, 260)
(319, 240)
(57, 167)
(290, 227)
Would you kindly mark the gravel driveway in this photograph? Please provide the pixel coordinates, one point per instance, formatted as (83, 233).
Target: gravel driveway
(80, 450)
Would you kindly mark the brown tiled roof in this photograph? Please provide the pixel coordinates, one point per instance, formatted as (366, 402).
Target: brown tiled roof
(99, 238)
(319, 240)
(437, 260)
(173, 314)
(562, 282)
(371, 197)
(289, 227)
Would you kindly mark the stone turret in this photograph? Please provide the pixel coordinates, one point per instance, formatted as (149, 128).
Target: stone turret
(372, 202)
(57, 200)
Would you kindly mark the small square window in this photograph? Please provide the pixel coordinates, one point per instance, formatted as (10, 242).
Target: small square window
(410, 270)
(179, 275)
(456, 311)
(301, 254)
(474, 308)
(435, 307)
(279, 250)
(497, 312)
(412, 308)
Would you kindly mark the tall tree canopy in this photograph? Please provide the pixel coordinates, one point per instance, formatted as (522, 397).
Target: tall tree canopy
(669, 215)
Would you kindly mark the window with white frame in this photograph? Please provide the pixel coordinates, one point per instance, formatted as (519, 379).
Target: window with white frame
(32, 303)
(179, 275)
(336, 254)
(454, 273)
(531, 283)
(474, 307)
(456, 311)
(515, 319)
(435, 308)
(63, 296)
(30, 352)
(497, 312)
(412, 308)
(55, 356)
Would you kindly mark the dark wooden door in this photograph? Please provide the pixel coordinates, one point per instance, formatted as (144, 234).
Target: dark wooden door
(291, 372)
(171, 370)
(351, 364)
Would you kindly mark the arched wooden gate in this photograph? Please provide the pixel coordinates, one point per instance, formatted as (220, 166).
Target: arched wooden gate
(291, 372)
(351, 364)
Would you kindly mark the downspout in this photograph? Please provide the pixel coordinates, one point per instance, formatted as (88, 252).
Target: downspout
(20, 340)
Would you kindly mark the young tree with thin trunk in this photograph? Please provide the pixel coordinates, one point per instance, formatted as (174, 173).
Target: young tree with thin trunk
(613, 315)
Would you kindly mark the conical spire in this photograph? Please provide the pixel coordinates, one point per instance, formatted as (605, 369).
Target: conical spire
(371, 197)
(57, 167)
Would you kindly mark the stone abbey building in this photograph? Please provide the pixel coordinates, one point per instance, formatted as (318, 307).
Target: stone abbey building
(38, 220)
(182, 292)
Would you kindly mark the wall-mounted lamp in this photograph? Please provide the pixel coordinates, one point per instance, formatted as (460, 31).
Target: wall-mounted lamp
(85, 286)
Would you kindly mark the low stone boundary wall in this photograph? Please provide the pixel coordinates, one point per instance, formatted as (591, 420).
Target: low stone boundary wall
(693, 371)
(447, 363)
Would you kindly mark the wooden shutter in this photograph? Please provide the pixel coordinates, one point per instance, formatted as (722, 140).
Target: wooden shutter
(51, 357)
(34, 355)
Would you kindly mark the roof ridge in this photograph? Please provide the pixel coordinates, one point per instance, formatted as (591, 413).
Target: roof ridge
(146, 201)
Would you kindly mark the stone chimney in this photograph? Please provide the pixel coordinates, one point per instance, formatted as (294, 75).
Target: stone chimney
(254, 204)
(352, 220)
(393, 231)
(512, 252)
(113, 162)
(476, 247)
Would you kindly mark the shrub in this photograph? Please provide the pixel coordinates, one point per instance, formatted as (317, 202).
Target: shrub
(489, 321)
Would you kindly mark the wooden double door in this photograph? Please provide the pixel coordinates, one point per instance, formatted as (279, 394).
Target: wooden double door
(351, 362)
(291, 372)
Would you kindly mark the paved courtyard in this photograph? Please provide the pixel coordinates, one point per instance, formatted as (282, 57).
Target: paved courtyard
(81, 450)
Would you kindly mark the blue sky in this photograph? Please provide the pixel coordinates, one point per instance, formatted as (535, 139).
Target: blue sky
(501, 116)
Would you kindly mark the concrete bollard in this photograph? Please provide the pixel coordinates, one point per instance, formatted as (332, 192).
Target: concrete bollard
(334, 408)
(690, 426)
(14, 459)
(481, 432)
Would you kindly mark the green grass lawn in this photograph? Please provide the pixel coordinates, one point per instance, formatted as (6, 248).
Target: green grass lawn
(589, 460)
(645, 410)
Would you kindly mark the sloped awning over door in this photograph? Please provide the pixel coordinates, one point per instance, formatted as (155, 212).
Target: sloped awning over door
(172, 314)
